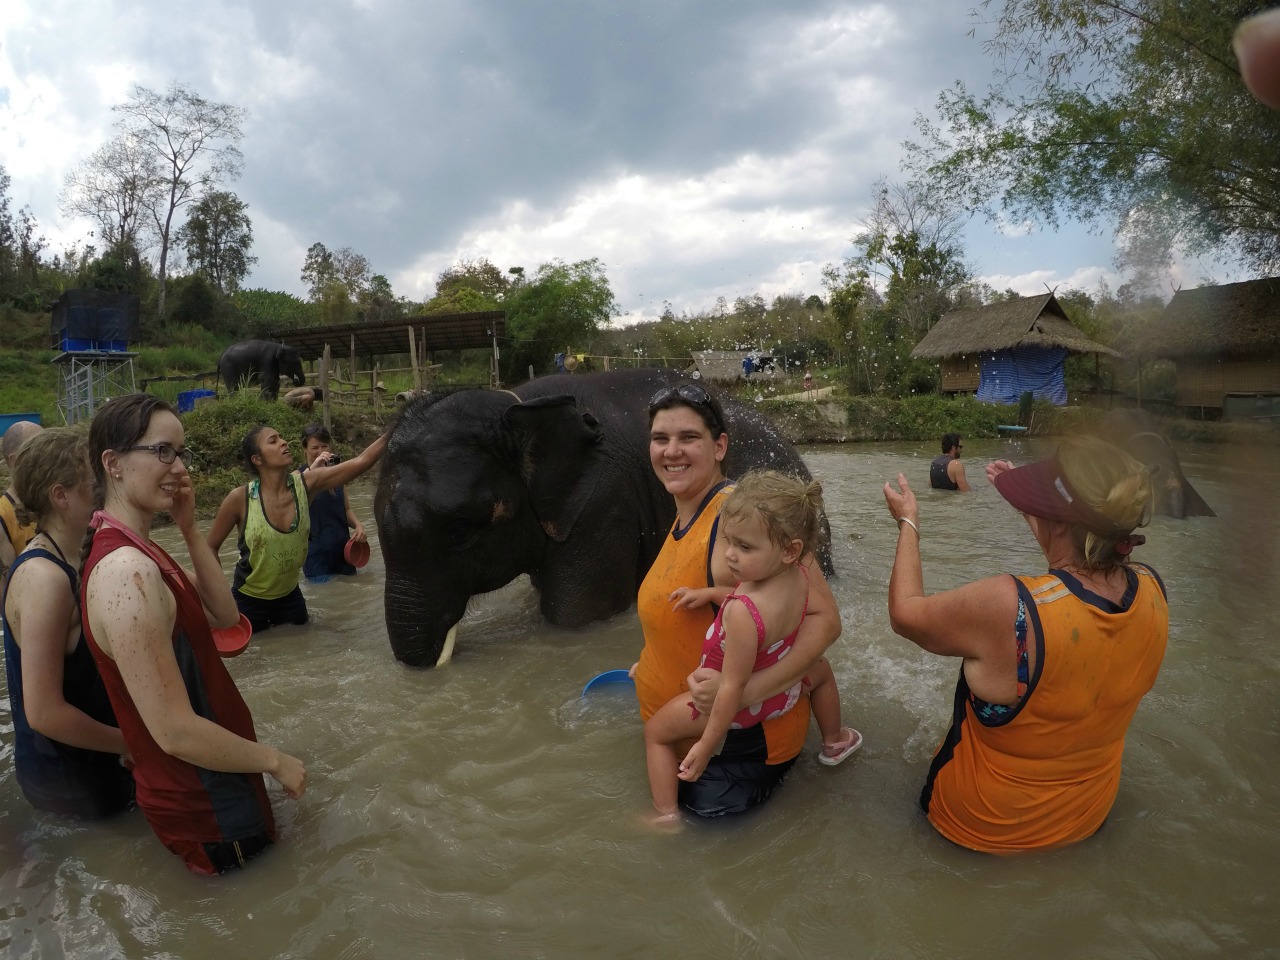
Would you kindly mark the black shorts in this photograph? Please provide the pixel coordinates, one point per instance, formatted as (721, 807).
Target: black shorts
(235, 853)
(736, 780)
(264, 614)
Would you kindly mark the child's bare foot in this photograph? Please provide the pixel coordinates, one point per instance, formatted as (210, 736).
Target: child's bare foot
(665, 821)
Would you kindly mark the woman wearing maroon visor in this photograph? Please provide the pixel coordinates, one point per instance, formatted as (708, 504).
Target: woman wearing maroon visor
(1053, 665)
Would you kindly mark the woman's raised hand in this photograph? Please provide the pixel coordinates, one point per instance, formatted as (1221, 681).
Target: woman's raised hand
(901, 502)
(997, 467)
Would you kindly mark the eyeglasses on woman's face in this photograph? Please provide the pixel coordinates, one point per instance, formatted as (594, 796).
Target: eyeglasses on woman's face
(166, 452)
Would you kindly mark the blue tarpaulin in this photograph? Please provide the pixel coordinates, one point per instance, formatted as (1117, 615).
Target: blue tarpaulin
(1007, 374)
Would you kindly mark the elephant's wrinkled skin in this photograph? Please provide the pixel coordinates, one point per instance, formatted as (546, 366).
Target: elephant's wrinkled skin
(480, 486)
(1138, 432)
(260, 361)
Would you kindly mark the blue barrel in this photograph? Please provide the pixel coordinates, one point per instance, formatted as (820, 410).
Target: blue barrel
(7, 420)
(187, 399)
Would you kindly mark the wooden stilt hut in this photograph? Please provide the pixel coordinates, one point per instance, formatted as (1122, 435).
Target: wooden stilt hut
(1006, 349)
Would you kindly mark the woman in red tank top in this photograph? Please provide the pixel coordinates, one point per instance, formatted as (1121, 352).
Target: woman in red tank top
(149, 625)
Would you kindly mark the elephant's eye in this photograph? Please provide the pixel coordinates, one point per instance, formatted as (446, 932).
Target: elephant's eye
(461, 534)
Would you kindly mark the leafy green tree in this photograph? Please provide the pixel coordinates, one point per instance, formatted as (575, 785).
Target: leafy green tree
(336, 279)
(1129, 115)
(196, 301)
(471, 285)
(906, 271)
(217, 238)
(377, 302)
(479, 275)
(8, 244)
(195, 143)
(265, 310)
(563, 305)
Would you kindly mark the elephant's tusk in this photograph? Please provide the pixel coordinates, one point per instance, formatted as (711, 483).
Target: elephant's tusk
(450, 639)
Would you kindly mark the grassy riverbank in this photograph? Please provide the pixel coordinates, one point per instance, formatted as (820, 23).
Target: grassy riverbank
(28, 382)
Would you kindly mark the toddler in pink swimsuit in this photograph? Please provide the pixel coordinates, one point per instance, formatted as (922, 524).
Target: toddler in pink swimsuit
(769, 522)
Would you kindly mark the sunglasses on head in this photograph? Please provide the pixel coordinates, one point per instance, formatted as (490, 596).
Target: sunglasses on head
(691, 393)
(315, 430)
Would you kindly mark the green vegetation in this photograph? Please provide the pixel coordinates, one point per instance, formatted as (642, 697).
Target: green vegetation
(1126, 115)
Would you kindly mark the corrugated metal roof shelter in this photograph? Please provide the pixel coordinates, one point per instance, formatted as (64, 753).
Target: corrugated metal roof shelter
(1020, 346)
(448, 331)
(1223, 340)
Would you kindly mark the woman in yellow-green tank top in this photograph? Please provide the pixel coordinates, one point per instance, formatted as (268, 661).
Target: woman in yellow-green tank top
(272, 515)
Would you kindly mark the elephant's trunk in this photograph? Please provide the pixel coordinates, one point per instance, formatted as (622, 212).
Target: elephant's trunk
(421, 634)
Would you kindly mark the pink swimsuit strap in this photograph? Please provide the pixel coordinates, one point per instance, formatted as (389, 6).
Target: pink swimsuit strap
(751, 608)
(755, 613)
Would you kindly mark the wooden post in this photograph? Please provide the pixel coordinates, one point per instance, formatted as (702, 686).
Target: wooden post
(413, 360)
(354, 368)
(373, 389)
(324, 388)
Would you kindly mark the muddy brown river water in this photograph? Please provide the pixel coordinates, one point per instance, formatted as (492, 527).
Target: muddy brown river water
(485, 810)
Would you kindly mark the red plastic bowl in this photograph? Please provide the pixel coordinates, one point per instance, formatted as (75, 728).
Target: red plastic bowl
(232, 641)
(356, 552)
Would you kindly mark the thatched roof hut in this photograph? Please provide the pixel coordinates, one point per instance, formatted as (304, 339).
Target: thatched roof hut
(1005, 349)
(1232, 320)
(1223, 340)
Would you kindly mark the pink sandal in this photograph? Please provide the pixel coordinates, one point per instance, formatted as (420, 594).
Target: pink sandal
(833, 753)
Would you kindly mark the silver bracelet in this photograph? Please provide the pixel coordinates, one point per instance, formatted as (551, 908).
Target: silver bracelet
(908, 522)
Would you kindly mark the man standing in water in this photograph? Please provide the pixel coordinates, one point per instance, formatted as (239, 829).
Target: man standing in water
(15, 535)
(946, 472)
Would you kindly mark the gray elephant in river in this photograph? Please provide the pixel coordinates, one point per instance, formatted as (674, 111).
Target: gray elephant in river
(1138, 432)
(260, 361)
(553, 480)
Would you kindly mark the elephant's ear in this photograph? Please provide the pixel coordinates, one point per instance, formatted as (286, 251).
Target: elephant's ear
(561, 459)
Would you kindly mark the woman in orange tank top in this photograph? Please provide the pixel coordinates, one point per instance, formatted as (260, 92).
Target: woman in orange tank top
(1053, 666)
(687, 446)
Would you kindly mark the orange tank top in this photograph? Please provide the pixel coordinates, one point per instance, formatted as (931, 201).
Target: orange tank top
(673, 638)
(1045, 775)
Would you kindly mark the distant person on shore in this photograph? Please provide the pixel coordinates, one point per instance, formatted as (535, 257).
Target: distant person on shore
(946, 472)
(808, 386)
(16, 534)
(333, 522)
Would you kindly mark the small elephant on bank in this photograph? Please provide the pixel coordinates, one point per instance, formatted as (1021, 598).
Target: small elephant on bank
(263, 362)
(1140, 434)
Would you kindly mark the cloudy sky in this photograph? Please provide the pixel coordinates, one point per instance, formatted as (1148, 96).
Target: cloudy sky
(699, 149)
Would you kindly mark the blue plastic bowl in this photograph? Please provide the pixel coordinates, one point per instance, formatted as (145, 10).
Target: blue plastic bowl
(607, 678)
